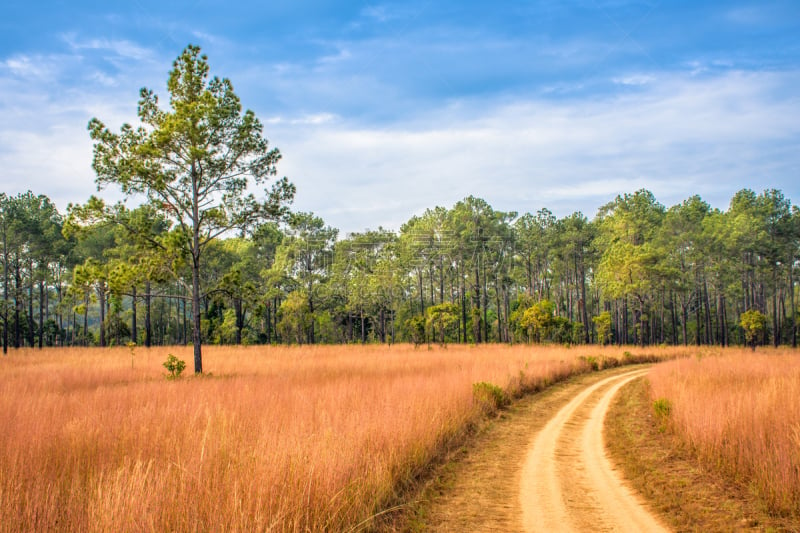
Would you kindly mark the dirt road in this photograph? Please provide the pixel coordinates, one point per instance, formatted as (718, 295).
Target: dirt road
(567, 483)
(503, 481)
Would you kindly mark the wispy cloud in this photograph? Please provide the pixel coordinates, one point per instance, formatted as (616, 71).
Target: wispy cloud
(35, 68)
(679, 137)
(315, 119)
(635, 79)
(380, 13)
(118, 47)
(207, 38)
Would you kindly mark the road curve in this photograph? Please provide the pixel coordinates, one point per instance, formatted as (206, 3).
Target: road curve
(567, 482)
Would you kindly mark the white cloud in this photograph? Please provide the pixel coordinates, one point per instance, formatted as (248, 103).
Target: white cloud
(209, 38)
(342, 54)
(680, 136)
(313, 119)
(44, 145)
(635, 80)
(23, 67)
(379, 13)
(119, 47)
(33, 68)
(104, 79)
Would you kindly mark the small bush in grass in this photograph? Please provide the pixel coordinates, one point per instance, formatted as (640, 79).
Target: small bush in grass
(490, 397)
(592, 361)
(132, 348)
(662, 409)
(175, 366)
(754, 324)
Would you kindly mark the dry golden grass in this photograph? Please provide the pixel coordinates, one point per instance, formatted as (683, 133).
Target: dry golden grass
(290, 439)
(740, 413)
(688, 495)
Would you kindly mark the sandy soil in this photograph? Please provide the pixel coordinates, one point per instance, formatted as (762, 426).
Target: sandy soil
(567, 483)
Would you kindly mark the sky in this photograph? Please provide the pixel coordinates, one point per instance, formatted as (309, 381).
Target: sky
(384, 109)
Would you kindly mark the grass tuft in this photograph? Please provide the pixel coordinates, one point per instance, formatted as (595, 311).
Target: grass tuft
(489, 397)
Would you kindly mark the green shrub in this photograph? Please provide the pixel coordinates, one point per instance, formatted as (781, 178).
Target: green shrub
(175, 366)
(662, 408)
(416, 329)
(132, 348)
(592, 361)
(489, 397)
(754, 324)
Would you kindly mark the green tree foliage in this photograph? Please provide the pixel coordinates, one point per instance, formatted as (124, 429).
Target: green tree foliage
(440, 319)
(415, 326)
(602, 324)
(305, 258)
(33, 256)
(364, 281)
(648, 274)
(194, 163)
(628, 267)
(754, 324)
(538, 320)
(296, 318)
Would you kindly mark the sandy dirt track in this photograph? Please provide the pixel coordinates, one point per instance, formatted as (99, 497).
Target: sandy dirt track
(567, 483)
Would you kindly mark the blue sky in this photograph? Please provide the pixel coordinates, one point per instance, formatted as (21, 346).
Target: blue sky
(382, 109)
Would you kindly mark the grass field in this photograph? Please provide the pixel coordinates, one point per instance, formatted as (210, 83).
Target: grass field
(294, 439)
(740, 414)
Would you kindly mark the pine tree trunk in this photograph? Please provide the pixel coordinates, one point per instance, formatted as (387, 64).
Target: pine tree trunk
(625, 335)
(363, 329)
(101, 295)
(184, 322)
(485, 302)
(584, 313)
(148, 326)
(134, 331)
(776, 331)
(673, 316)
(477, 304)
(383, 325)
(31, 329)
(463, 293)
(41, 313)
(707, 314)
(791, 301)
(237, 308)
(421, 292)
(196, 323)
(5, 287)
(311, 337)
(272, 335)
(86, 319)
(17, 305)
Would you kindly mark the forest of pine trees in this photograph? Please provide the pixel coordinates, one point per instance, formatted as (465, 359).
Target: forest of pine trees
(638, 273)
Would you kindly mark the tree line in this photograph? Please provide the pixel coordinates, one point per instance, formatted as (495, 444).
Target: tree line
(203, 260)
(638, 273)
